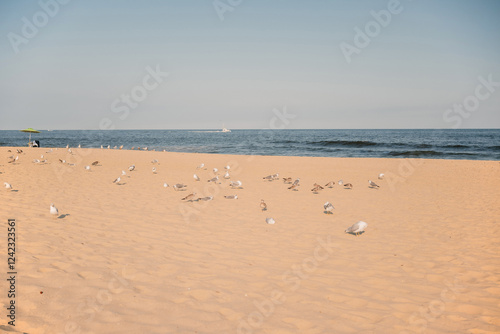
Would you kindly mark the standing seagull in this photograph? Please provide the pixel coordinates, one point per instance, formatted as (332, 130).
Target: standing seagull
(263, 205)
(330, 184)
(87, 167)
(227, 167)
(131, 168)
(215, 170)
(165, 185)
(95, 163)
(7, 185)
(200, 166)
(227, 176)
(231, 197)
(341, 182)
(348, 186)
(373, 184)
(357, 228)
(123, 172)
(53, 209)
(381, 176)
(196, 177)
(117, 180)
(154, 170)
(328, 207)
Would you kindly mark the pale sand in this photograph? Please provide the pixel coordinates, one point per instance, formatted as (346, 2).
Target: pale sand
(134, 258)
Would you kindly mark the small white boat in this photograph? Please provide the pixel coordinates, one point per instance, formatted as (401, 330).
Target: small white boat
(224, 129)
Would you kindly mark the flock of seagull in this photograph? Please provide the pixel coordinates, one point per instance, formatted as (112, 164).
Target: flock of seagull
(356, 229)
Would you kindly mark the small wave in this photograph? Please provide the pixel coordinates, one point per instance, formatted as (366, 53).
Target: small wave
(414, 153)
(456, 146)
(355, 143)
(494, 148)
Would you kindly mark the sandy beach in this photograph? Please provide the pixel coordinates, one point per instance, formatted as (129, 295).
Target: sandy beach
(132, 257)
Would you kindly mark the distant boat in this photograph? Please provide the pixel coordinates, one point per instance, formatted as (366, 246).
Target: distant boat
(224, 129)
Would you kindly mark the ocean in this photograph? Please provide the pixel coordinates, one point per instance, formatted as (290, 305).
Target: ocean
(470, 144)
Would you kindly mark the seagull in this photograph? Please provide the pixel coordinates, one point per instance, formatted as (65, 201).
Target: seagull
(215, 170)
(36, 161)
(62, 161)
(231, 197)
(165, 185)
(188, 197)
(95, 163)
(196, 177)
(101, 147)
(341, 182)
(348, 186)
(357, 228)
(226, 176)
(235, 184)
(215, 179)
(330, 184)
(132, 147)
(114, 147)
(41, 157)
(67, 146)
(79, 146)
(178, 186)
(293, 187)
(87, 167)
(123, 172)
(200, 166)
(373, 184)
(49, 151)
(154, 170)
(287, 180)
(18, 151)
(263, 205)
(227, 167)
(269, 177)
(7, 185)
(275, 176)
(69, 150)
(316, 188)
(53, 210)
(381, 176)
(208, 198)
(117, 180)
(328, 207)
(121, 146)
(109, 146)
(270, 221)
(154, 161)
(43, 161)
(14, 160)
(131, 168)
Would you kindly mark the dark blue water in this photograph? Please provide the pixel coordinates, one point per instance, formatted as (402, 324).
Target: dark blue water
(434, 144)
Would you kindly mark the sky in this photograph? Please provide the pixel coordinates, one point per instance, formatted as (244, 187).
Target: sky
(74, 64)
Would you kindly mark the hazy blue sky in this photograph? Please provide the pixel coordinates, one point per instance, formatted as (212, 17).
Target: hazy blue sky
(74, 72)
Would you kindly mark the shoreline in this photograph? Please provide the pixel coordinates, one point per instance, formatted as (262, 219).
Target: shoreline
(248, 155)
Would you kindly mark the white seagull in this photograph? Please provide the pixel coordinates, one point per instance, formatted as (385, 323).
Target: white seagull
(231, 197)
(87, 167)
(328, 207)
(165, 185)
(200, 166)
(381, 176)
(154, 170)
(196, 177)
(270, 221)
(236, 184)
(123, 172)
(215, 179)
(178, 186)
(117, 180)
(7, 185)
(357, 228)
(227, 176)
(373, 184)
(53, 209)
(131, 168)
(227, 167)
(215, 170)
